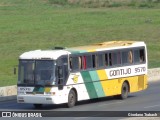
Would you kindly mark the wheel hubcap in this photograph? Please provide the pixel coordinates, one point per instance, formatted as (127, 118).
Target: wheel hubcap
(71, 99)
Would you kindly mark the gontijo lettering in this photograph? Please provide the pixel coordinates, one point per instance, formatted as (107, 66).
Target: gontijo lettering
(119, 72)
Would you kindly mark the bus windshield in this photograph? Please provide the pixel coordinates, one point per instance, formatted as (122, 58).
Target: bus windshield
(36, 72)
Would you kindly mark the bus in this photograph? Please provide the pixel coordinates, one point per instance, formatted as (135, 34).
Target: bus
(68, 75)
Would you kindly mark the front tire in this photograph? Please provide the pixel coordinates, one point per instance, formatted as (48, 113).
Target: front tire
(124, 91)
(71, 99)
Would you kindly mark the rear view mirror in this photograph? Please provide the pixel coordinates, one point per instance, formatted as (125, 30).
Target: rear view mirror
(15, 70)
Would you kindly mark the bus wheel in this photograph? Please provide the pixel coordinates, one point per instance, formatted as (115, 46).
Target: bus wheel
(71, 99)
(124, 91)
(37, 106)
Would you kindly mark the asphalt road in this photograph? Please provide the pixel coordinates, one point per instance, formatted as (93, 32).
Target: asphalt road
(148, 100)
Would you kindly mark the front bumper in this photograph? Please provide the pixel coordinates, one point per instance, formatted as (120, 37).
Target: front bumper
(41, 99)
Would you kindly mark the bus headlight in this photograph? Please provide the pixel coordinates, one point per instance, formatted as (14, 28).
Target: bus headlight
(48, 98)
(20, 99)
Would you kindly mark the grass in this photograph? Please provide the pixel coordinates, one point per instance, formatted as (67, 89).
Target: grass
(37, 24)
(108, 3)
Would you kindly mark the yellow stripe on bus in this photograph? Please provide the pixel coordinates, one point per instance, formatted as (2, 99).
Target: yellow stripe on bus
(47, 89)
(92, 50)
(113, 86)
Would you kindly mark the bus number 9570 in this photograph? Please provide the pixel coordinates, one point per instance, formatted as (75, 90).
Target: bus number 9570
(140, 69)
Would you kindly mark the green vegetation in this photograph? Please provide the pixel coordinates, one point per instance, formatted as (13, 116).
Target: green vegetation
(108, 3)
(42, 24)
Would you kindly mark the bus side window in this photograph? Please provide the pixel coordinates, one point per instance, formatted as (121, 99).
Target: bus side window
(142, 55)
(70, 62)
(80, 62)
(124, 57)
(110, 59)
(127, 57)
(136, 56)
(106, 59)
(65, 68)
(74, 63)
(139, 56)
(84, 62)
(89, 64)
(100, 60)
(60, 75)
(118, 58)
(130, 57)
(114, 58)
(94, 61)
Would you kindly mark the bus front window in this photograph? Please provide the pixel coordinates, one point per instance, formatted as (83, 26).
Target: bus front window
(26, 72)
(45, 72)
(37, 72)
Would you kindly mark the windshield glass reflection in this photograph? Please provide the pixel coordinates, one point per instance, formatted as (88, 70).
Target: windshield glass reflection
(40, 72)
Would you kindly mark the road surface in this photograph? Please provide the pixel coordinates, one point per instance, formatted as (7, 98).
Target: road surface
(148, 100)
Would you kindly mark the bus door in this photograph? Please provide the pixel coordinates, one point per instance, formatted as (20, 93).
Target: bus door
(62, 71)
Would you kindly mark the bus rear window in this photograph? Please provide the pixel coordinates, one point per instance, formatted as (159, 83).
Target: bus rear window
(139, 56)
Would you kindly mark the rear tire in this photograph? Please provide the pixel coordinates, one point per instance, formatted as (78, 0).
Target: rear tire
(71, 99)
(124, 91)
(37, 106)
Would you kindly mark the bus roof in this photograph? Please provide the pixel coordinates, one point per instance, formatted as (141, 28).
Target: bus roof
(43, 54)
(107, 45)
(54, 54)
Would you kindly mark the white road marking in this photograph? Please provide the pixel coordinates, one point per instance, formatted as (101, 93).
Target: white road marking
(152, 106)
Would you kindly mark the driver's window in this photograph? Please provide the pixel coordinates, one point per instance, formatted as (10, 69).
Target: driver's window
(60, 75)
(62, 71)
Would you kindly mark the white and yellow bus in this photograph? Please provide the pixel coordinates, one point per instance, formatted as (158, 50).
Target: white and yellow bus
(68, 75)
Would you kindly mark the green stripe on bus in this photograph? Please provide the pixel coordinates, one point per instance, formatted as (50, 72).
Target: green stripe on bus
(38, 89)
(97, 84)
(82, 51)
(94, 75)
(76, 51)
(89, 84)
